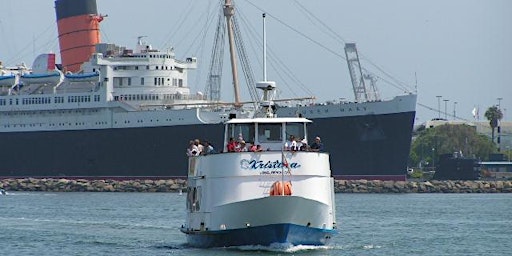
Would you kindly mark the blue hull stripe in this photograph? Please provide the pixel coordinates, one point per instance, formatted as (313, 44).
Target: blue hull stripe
(262, 235)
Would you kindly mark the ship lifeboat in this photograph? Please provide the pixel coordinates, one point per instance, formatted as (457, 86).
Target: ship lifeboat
(7, 80)
(83, 77)
(53, 77)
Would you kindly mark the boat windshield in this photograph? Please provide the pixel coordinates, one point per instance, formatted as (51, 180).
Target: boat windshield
(270, 133)
(241, 132)
(295, 129)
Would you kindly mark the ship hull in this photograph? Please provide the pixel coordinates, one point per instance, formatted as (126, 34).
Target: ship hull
(369, 146)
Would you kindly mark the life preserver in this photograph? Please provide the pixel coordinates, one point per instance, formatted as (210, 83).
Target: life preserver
(278, 186)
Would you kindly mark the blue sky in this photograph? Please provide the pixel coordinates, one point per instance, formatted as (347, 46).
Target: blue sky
(458, 49)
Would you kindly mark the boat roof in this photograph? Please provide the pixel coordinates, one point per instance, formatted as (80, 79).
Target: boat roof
(269, 120)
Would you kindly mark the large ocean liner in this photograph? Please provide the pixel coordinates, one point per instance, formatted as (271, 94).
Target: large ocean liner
(108, 111)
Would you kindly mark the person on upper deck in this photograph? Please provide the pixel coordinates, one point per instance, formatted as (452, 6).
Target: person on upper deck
(208, 148)
(192, 149)
(199, 146)
(317, 146)
(291, 144)
(252, 147)
(241, 147)
(231, 145)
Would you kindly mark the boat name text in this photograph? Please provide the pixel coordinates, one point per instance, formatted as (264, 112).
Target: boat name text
(259, 165)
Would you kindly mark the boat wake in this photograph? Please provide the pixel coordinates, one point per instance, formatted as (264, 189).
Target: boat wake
(371, 246)
(281, 247)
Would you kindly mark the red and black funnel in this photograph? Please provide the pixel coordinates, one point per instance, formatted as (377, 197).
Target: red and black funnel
(79, 31)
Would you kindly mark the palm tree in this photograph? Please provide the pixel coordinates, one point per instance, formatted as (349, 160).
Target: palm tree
(493, 114)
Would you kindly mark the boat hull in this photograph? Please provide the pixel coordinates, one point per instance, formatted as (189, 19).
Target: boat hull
(230, 203)
(285, 233)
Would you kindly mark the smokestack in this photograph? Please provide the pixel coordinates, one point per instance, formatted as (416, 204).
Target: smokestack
(79, 31)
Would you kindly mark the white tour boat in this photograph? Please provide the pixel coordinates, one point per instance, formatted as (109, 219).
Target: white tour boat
(275, 195)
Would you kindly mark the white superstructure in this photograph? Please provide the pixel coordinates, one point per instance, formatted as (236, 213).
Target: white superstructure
(116, 88)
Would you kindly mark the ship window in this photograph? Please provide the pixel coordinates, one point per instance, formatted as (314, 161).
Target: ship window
(156, 67)
(270, 132)
(295, 129)
(142, 81)
(180, 82)
(147, 67)
(129, 81)
(241, 132)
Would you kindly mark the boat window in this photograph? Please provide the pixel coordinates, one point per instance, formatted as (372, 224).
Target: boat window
(295, 129)
(270, 133)
(241, 131)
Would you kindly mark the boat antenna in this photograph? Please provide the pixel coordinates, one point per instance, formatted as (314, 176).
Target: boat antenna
(264, 49)
(267, 87)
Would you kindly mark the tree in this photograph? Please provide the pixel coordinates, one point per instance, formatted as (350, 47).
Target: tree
(447, 139)
(493, 114)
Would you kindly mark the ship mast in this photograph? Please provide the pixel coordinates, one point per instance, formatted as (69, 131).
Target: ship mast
(229, 11)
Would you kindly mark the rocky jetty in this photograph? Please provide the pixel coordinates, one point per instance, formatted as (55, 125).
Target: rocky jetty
(433, 186)
(176, 185)
(83, 185)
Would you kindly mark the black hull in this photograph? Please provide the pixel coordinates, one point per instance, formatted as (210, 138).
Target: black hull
(372, 147)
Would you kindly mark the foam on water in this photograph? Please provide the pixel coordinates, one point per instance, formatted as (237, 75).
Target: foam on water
(281, 247)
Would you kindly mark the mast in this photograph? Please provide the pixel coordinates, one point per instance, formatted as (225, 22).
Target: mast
(229, 12)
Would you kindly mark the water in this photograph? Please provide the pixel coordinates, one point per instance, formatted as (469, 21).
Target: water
(148, 224)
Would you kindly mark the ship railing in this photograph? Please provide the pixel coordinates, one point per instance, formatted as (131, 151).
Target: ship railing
(220, 103)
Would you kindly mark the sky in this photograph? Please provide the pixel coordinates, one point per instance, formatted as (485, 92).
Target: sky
(460, 50)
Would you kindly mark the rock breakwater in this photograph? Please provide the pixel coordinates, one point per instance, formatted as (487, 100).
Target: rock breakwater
(176, 185)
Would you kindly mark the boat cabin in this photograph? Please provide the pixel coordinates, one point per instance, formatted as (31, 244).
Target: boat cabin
(270, 133)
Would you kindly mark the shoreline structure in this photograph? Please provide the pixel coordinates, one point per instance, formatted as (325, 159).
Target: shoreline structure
(177, 185)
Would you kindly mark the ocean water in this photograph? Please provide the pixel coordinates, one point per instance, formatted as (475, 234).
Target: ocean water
(42, 223)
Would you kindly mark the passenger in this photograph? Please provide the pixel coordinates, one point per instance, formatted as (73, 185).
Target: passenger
(199, 146)
(291, 144)
(192, 149)
(317, 146)
(231, 145)
(258, 148)
(302, 145)
(208, 148)
(241, 147)
(252, 147)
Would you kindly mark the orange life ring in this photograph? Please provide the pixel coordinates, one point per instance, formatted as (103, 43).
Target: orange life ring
(278, 186)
